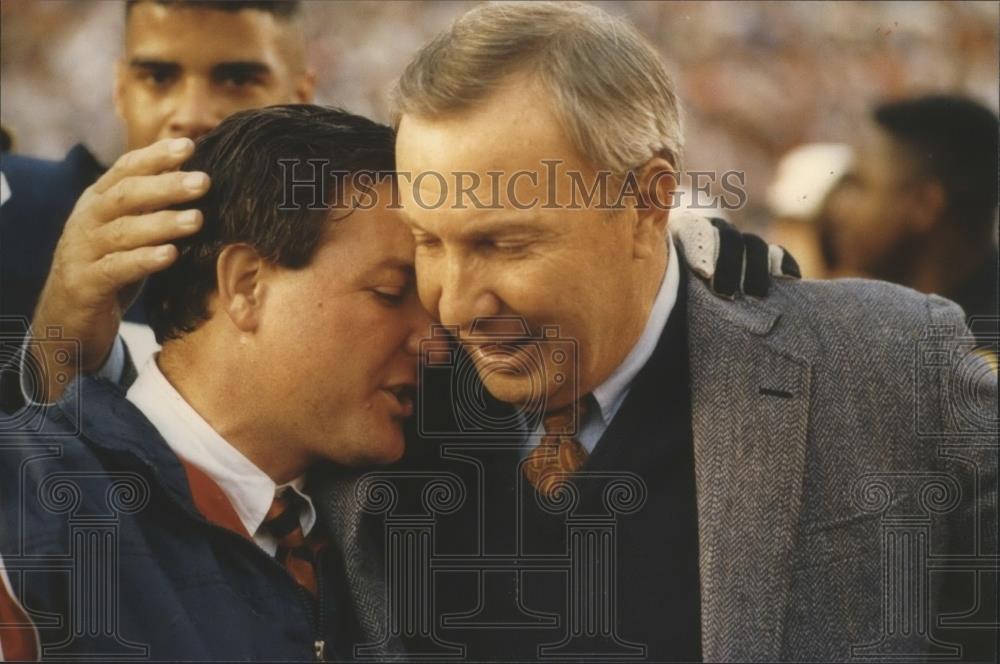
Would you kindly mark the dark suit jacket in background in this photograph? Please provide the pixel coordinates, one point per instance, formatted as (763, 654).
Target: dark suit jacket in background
(42, 196)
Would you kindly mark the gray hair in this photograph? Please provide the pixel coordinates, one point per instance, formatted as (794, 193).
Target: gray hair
(612, 93)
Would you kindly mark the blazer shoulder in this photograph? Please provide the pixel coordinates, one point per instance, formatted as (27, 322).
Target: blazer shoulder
(853, 322)
(42, 478)
(860, 308)
(72, 435)
(840, 318)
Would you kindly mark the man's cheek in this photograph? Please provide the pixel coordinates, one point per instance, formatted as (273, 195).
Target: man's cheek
(148, 124)
(531, 292)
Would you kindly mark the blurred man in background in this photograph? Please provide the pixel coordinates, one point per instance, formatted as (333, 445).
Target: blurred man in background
(919, 208)
(186, 66)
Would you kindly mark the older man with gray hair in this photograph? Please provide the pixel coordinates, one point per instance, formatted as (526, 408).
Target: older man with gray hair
(808, 458)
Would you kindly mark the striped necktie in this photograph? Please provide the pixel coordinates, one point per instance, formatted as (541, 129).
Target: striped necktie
(559, 454)
(296, 552)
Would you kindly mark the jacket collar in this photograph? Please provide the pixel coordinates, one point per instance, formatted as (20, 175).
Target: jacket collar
(98, 411)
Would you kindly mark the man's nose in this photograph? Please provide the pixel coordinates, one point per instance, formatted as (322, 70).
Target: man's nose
(465, 294)
(195, 113)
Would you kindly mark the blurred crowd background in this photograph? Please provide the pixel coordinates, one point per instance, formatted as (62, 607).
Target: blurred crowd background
(757, 80)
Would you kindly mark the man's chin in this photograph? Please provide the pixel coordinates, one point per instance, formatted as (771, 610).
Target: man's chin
(378, 446)
(387, 447)
(387, 455)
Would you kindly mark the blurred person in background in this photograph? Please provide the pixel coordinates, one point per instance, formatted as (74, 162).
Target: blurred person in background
(919, 207)
(798, 197)
(186, 65)
(6, 140)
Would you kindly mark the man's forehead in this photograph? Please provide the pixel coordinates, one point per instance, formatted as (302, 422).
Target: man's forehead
(473, 220)
(376, 234)
(168, 32)
(394, 261)
(514, 128)
(470, 223)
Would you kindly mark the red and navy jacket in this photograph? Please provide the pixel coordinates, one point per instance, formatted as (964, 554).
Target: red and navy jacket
(113, 547)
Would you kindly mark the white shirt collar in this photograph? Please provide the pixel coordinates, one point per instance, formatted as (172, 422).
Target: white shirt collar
(612, 392)
(250, 490)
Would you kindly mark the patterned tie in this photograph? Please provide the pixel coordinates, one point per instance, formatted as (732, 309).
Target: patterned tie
(296, 552)
(558, 454)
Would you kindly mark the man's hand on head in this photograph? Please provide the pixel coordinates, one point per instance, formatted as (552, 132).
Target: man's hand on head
(118, 234)
(730, 262)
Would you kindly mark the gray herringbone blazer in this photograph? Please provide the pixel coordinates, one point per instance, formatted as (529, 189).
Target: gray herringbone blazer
(845, 459)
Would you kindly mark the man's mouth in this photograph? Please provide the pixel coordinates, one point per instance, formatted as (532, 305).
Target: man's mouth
(508, 355)
(502, 345)
(403, 396)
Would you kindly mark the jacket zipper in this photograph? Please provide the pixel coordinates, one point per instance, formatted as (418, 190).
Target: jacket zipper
(319, 645)
(315, 614)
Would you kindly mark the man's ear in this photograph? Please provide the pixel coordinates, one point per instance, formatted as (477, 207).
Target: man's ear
(305, 89)
(239, 272)
(118, 89)
(657, 181)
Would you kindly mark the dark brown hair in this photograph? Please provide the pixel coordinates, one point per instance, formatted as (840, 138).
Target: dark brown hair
(954, 140)
(280, 8)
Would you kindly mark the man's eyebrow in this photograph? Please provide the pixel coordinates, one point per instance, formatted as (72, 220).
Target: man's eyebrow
(241, 68)
(500, 227)
(152, 63)
(394, 263)
(492, 228)
(498, 230)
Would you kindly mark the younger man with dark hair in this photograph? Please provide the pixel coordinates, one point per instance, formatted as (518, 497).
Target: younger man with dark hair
(301, 347)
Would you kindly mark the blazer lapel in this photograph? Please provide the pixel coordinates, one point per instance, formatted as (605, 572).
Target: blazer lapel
(749, 403)
(335, 490)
